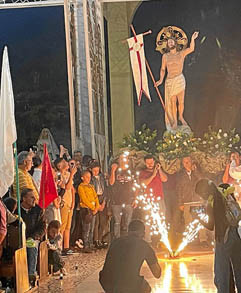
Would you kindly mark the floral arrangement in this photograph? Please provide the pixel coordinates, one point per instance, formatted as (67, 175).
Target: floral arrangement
(214, 142)
(178, 145)
(141, 140)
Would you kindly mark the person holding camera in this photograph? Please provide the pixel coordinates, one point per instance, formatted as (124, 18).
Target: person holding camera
(52, 212)
(153, 177)
(221, 219)
(67, 203)
(188, 198)
(101, 221)
(122, 194)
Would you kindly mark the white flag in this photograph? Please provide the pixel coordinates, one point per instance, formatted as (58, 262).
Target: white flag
(138, 64)
(8, 134)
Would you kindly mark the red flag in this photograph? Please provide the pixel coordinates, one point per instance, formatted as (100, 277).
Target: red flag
(48, 192)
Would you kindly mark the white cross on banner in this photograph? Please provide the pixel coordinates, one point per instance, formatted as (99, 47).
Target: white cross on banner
(137, 56)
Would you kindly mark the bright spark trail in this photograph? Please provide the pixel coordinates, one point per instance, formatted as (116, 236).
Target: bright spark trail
(192, 230)
(155, 219)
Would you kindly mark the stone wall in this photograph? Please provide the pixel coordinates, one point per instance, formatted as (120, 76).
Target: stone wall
(119, 16)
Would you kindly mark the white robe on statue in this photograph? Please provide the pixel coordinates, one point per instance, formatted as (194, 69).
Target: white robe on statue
(173, 86)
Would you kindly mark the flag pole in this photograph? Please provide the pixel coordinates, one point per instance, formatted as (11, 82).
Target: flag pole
(152, 76)
(18, 192)
(45, 149)
(144, 34)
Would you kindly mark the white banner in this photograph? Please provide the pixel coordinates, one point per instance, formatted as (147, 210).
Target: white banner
(137, 56)
(8, 134)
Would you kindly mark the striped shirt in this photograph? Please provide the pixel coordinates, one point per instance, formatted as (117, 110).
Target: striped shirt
(25, 181)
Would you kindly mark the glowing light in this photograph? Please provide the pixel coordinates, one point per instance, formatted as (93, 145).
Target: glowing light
(191, 282)
(191, 232)
(156, 220)
(166, 283)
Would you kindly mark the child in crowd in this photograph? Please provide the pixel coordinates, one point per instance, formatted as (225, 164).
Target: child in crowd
(55, 247)
(89, 204)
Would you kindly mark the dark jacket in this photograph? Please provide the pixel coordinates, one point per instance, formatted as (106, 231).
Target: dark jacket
(103, 185)
(186, 186)
(35, 223)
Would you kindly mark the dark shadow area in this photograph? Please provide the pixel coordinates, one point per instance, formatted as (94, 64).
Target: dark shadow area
(36, 43)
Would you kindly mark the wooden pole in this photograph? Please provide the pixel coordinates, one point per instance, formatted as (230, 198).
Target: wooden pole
(70, 76)
(144, 34)
(152, 77)
(18, 193)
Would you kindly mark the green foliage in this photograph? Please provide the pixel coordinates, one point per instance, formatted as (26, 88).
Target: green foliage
(143, 139)
(179, 145)
(214, 142)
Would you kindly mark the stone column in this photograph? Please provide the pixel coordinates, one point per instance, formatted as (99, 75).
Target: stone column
(119, 16)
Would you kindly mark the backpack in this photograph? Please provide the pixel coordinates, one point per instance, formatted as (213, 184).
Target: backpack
(232, 208)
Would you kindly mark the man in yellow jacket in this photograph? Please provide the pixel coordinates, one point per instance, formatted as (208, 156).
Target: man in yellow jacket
(89, 203)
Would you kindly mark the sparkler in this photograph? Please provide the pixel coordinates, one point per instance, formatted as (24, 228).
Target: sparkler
(154, 218)
(191, 232)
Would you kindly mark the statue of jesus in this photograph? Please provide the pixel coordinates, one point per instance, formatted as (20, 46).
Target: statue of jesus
(175, 83)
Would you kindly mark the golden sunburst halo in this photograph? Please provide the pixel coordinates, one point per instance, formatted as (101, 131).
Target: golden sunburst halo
(171, 32)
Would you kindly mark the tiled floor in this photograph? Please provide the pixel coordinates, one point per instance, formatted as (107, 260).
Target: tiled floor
(187, 274)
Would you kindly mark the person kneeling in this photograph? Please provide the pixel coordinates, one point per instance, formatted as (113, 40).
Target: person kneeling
(121, 271)
(55, 247)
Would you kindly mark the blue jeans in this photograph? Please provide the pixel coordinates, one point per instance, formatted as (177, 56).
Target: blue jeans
(119, 211)
(225, 254)
(32, 258)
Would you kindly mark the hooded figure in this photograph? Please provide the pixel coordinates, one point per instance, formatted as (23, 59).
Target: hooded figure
(47, 137)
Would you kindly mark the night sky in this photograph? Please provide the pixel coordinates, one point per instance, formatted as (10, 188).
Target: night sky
(213, 74)
(36, 43)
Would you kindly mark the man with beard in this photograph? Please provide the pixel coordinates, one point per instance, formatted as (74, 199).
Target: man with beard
(153, 177)
(175, 83)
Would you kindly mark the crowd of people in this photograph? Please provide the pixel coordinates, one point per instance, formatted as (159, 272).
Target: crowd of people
(94, 208)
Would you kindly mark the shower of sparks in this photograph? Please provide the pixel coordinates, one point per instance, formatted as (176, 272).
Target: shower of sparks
(191, 232)
(154, 218)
